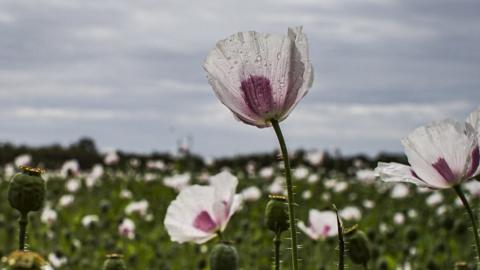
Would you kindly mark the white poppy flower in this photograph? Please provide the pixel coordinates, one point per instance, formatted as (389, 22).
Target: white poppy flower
(70, 167)
(200, 212)
(351, 213)
(434, 199)
(399, 191)
(66, 200)
(48, 216)
(321, 224)
(260, 77)
(88, 220)
(127, 228)
(177, 181)
(140, 207)
(23, 160)
(251, 194)
(441, 155)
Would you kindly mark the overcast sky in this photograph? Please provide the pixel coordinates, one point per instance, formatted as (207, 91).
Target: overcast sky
(129, 73)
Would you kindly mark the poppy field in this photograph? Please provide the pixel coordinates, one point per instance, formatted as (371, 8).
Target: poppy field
(283, 210)
(92, 212)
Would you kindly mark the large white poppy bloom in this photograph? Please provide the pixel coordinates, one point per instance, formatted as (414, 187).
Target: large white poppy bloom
(200, 212)
(260, 77)
(441, 155)
(321, 224)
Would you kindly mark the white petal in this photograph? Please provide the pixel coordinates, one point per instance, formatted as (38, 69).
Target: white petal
(184, 209)
(308, 231)
(225, 185)
(474, 120)
(449, 140)
(301, 70)
(396, 172)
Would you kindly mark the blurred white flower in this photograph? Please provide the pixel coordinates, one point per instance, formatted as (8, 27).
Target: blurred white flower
(399, 218)
(199, 212)
(350, 213)
(23, 160)
(94, 176)
(266, 172)
(9, 170)
(48, 216)
(315, 158)
(399, 191)
(127, 228)
(412, 213)
(368, 204)
(313, 178)
(340, 187)
(251, 194)
(140, 208)
(73, 185)
(126, 194)
(111, 158)
(177, 181)
(66, 200)
(366, 176)
(434, 199)
(88, 220)
(57, 261)
(307, 194)
(330, 183)
(156, 165)
(70, 168)
(277, 186)
(300, 173)
(326, 196)
(441, 210)
(473, 188)
(321, 224)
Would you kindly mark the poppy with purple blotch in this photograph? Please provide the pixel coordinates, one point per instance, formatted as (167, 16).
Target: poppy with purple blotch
(260, 77)
(441, 155)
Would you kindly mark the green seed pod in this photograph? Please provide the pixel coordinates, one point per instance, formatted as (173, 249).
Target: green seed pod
(224, 257)
(22, 260)
(358, 246)
(27, 190)
(114, 262)
(276, 214)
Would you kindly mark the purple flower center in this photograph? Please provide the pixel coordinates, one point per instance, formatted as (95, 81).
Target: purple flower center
(257, 93)
(475, 162)
(326, 230)
(444, 170)
(204, 222)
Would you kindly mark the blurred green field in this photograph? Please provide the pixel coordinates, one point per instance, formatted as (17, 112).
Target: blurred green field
(405, 233)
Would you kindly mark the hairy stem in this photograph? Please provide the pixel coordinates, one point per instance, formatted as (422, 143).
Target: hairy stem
(277, 241)
(341, 242)
(23, 222)
(464, 200)
(291, 198)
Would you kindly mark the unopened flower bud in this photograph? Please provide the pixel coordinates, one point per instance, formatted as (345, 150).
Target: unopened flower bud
(224, 257)
(276, 214)
(26, 192)
(114, 262)
(22, 260)
(358, 246)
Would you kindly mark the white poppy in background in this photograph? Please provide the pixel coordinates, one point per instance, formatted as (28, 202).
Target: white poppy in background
(315, 158)
(307, 195)
(70, 168)
(321, 224)
(89, 220)
(366, 176)
(140, 208)
(260, 77)
(66, 200)
(399, 218)
(473, 188)
(300, 173)
(434, 199)
(156, 165)
(56, 260)
(313, 178)
(23, 160)
(177, 181)
(48, 216)
(277, 186)
(441, 155)
(251, 194)
(474, 120)
(266, 172)
(126, 194)
(399, 191)
(93, 177)
(350, 213)
(111, 158)
(73, 185)
(127, 229)
(200, 212)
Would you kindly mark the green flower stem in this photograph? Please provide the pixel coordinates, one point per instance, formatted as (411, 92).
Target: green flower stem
(341, 242)
(23, 222)
(277, 241)
(460, 194)
(291, 198)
